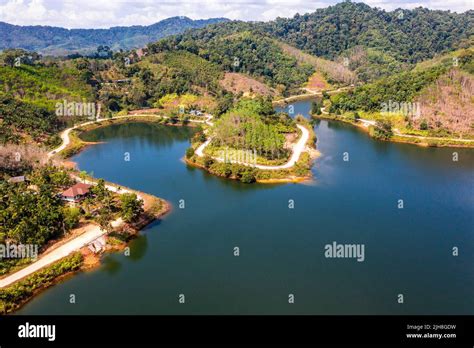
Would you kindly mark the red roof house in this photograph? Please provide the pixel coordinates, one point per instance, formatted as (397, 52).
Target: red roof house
(76, 192)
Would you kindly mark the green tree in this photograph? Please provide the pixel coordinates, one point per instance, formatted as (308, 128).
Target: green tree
(71, 217)
(424, 125)
(130, 207)
(207, 161)
(100, 191)
(248, 177)
(83, 175)
(382, 130)
(189, 152)
(315, 108)
(104, 219)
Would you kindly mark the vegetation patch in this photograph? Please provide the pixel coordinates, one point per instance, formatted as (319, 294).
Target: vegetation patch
(13, 296)
(242, 84)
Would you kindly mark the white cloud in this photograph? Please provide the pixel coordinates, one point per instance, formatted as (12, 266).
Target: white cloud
(107, 13)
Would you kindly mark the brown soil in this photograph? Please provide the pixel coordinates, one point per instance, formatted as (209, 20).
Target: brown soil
(236, 83)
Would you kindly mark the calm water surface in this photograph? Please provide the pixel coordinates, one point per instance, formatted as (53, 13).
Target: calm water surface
(407, 251)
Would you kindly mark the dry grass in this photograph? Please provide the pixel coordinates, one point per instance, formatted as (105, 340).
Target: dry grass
(332, 70)
(236, 83)
(317, 83)
(15, 158)
(449, 103)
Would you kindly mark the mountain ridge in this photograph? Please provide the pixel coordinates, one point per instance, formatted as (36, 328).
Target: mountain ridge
(51, 40)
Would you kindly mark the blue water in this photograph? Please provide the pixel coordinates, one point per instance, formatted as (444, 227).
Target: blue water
(191, 251)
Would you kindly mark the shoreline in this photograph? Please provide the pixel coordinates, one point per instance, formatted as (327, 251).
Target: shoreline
(401, 138)
(296, 170)
(292, 99)
(154, 208)
(78, 145)
(90, 260)
(287, 180)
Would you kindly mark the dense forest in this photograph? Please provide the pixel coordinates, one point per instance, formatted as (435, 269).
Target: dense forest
(442, 88)
(240, 47)
(32, 212)
(400, 87)
(18, 117)
(383, 54)
(30, 89)
(406, 35)
(253, 125)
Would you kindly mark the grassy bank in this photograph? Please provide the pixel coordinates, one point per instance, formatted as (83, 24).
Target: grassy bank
(293, 99)
(414, 138)
(17, 294)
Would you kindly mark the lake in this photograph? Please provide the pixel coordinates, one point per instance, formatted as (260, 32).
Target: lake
(408, 251)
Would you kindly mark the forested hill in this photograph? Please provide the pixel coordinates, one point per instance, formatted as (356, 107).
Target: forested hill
(407, 35)
(60, 41)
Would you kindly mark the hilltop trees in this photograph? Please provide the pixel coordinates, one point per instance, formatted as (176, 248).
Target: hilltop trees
(406, 35)
(240, 47)
(20, 116)
(315, 108)
(402, 87)
(253, 126)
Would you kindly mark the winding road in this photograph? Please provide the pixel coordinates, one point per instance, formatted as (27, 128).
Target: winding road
(93, 231)
(65, 134)
(298, 148)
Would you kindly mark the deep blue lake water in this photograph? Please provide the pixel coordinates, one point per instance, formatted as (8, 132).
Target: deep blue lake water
(408, 251)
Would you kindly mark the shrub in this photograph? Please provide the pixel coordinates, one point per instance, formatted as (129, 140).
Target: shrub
(382, 130)
(353, 116)
(207, 162)
(315, 108)
(199, 137)
(227, 171)
(248, 177)
(221, 169)
(424, 125)
(71, 217)
(12, 296)
(189, 152)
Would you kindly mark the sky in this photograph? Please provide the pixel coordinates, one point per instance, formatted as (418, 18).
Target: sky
(108, 13)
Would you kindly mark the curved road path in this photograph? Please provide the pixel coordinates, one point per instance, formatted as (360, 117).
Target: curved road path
(297, 149)
(95, 232)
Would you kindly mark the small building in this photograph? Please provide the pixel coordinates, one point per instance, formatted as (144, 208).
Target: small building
(76, 192)
(16, 179)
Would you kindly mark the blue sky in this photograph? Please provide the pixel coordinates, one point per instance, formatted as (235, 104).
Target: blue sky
(107, 13)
